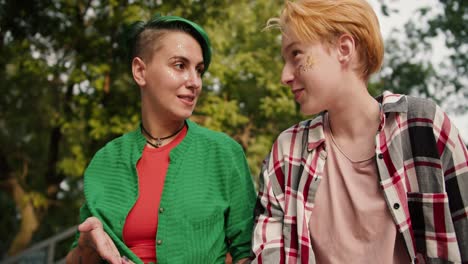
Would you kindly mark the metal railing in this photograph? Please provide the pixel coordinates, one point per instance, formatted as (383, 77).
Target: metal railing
(42, 252)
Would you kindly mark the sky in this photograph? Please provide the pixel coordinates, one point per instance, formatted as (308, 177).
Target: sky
(406, 10)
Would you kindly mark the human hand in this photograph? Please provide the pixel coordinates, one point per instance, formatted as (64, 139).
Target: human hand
(94, 238)
(243, 261)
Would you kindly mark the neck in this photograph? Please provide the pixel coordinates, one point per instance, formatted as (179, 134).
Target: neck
(157, 122)
(356, 116)
(155, 128)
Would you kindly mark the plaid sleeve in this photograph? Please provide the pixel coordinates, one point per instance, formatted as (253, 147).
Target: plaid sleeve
(267, 244)
(454, 156)
(242, 197)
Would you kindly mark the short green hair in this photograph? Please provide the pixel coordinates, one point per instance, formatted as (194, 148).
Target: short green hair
(171, 23)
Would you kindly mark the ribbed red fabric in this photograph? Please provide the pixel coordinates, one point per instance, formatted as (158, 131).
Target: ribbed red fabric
(139, 232)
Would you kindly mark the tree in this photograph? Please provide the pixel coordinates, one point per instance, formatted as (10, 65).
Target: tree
(67, 91)
(409, 66)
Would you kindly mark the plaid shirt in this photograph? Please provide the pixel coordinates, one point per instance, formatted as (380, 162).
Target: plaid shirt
(423, 172)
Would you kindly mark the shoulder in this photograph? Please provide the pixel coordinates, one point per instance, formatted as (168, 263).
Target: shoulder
(415, 109)
(291, 142)
(423, 110)
(117, 150)
(213, 139)
(118, 145)
(426, 112)
(425, 119)
(310, 128)
(421, 107)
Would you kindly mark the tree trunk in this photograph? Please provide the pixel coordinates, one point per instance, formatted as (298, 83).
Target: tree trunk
(244, 138)
(51, 176)
(29, 218)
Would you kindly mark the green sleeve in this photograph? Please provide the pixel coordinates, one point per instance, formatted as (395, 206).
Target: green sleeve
(242, 201)
(84, 214)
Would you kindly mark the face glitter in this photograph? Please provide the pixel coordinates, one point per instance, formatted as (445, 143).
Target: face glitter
(171, 74)
(310, 62)
(186, 76)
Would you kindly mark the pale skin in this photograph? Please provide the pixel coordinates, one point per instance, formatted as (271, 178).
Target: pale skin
(94, 244)
(170, 87)
(323, 77)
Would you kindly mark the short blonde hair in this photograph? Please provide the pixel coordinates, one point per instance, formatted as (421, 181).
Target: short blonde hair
(326, 20)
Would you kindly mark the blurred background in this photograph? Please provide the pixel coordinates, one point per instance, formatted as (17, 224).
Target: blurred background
(66, 90)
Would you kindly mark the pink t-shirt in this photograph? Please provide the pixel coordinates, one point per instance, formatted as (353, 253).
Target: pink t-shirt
(350, 222)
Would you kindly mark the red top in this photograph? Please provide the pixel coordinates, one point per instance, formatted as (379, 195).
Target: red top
(139, 232)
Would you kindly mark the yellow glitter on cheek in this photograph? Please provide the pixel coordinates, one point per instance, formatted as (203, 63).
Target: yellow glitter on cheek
(309, 64)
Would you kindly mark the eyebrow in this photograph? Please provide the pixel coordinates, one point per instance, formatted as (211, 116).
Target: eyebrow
(283, 51)
(186, 60)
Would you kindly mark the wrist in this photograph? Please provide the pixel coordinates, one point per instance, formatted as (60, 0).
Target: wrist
(86, 249)
(84, 244)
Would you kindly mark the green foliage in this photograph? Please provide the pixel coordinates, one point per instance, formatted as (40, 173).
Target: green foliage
(410, 67)
(73, 166)
(221, 114)
(38, 200)
(67, 90)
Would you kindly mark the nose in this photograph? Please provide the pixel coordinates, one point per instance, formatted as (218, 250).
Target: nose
(287, 75)
(194, 80)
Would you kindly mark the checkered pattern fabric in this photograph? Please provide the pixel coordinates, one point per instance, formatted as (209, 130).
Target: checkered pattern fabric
(423, 171)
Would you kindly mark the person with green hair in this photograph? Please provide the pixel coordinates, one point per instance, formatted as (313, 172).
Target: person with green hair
(171, 191)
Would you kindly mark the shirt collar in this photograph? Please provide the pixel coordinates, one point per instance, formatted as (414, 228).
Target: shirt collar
(393, 102)
(316, 132)
(390, 103)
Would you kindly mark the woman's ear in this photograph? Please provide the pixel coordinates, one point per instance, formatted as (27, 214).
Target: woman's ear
(139, 71)
(346, 48)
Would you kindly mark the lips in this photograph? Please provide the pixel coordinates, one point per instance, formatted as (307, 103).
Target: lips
(298, 93)
(187, 99)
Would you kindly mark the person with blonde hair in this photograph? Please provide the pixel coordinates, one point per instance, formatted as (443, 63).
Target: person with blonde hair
(367, 180)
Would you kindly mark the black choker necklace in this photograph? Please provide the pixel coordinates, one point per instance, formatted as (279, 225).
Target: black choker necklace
(159, 140)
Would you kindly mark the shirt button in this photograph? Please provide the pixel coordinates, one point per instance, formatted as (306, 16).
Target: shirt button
(380, 156)
(396, 206)
(161, 210)
(159, 242)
